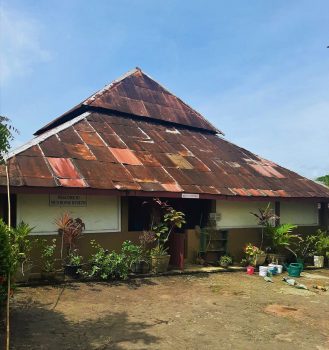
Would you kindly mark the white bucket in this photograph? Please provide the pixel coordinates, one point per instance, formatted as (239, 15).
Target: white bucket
(279, 267)
(318, 261)
(263, 271)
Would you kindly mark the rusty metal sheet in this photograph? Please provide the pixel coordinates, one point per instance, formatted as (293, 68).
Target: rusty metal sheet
(33, 151)
(179, 161)
(92, 169)
(39, 182)
(142, 159)
(79, 151)
(123, 185)
(33, 167)
(151, 186)
(141, 173)
(52, 147)
(83, 125)
(128, 131)
(125, 156)
(102, 127)
(147, 158)
(103, 154)
(197, 164)
(112, 140)
(64, 168)
(69, 135)
(91, 138)
(72, 183)
(172, 187)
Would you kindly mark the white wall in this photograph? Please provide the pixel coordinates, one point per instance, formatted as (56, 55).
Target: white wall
(101, 214)
(299, 213)
(237, 214)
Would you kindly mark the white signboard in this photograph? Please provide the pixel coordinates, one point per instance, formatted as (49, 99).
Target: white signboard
(67, 200)
(190, 195)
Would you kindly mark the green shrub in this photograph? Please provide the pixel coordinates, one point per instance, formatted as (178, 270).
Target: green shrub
(5, 260)
(107, 265)
(48, 255)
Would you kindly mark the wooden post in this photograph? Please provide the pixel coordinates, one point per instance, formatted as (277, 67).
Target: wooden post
(8, 275)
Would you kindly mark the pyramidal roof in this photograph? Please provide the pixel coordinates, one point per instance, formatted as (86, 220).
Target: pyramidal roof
(137, 94)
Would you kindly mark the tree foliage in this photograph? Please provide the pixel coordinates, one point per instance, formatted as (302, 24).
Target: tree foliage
(324, 179)
(6, 135)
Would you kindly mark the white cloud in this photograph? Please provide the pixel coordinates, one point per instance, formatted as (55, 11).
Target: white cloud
(20, 45)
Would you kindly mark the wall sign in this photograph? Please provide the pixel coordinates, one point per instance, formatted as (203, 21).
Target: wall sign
(67, 200)
(190, 195)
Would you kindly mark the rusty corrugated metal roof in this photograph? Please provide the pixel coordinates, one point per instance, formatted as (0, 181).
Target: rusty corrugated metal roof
(94, 151)
(138, 95)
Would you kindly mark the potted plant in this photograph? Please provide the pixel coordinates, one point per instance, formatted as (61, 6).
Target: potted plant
(73, 264)
(141, 264)
(281, 237)
(21, 246)
(322, 248)
(265, 218)
(70, 231)
(225, 261)
(170, 219)
(255, 255)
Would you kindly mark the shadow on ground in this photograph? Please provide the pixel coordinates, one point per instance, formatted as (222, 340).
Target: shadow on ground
(34, 326)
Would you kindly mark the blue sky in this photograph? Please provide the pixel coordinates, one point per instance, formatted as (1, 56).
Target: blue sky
(258, 70)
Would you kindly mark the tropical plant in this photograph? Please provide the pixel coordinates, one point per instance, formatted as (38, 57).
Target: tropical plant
(303, 246)
(48, 255)
(266, 218)
(171, 219)
(21, 244)
(70, 230)
(281, 236)
(322, 245)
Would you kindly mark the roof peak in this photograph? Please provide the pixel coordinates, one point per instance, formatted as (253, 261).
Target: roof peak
(137, 94)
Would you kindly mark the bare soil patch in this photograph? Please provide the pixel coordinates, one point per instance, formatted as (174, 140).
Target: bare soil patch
(208, 311)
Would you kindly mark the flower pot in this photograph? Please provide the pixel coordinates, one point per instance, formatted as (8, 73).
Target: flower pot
(259, 259)
(318, 261)
(160, 263)
(276, 258)
(140, 267)
(250, 270)
(72, 270)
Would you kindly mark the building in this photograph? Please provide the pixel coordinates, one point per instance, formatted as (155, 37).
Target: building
(135, 140)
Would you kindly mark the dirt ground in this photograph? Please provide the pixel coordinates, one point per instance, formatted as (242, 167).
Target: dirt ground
(208, 311)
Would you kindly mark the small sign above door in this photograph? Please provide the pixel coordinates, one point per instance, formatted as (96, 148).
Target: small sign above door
(67, 200)
(191, 195)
